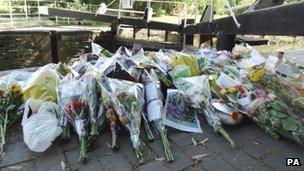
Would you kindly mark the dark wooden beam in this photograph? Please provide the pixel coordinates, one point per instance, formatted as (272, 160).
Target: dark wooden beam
(149, 45)
(139, 23)
(281, 20)
(260, 4)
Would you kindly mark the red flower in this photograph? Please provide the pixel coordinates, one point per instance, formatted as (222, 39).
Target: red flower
(234, 115)
(76, 106)
(241, 89)
(222, 101)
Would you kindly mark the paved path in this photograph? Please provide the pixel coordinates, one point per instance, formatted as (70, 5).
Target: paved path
(255, 151)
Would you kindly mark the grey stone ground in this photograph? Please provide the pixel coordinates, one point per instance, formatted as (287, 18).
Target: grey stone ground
(255, 150)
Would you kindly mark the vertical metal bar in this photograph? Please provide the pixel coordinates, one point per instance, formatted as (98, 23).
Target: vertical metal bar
(38, 4)
(11, 13)
(56, 18)
(67, 7)
(119, 10)
(25, 9)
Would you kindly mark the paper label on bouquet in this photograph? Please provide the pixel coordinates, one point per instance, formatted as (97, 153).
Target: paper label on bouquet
(257, 57)
(245, 101)
(224, 81)
(154, 106)
(271, 63)
(222, 107)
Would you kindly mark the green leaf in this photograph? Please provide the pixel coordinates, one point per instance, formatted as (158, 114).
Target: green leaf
(289, 124)
(277, 114)
(10, 107)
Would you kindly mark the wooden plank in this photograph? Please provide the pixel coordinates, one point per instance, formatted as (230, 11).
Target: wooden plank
(281, 20)
(139, 23)
(150, 45)
(81, 15)
(251, 40)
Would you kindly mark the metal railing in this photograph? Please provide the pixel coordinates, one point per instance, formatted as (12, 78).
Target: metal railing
(25, 12)
(19, 13)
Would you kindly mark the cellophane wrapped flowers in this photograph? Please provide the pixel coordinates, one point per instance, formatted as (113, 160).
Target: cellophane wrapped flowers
(198, 89)
(275, 118)
(154, 104)
(128, 101)
(10, 100)
(73, 101)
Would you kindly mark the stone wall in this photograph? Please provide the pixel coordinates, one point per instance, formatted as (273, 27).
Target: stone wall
(70, 44)
(20, 49)
(24, 49)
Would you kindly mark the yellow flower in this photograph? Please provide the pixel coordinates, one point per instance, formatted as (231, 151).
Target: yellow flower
(232, 90)
(15, 89)
(256, 75)
(222, 91)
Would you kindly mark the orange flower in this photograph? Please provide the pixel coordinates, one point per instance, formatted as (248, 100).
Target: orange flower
(1, 92)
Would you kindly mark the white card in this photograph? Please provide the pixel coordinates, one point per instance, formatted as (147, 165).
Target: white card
(224, 81)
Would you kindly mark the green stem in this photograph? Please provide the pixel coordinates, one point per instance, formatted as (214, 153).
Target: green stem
(114, 138)
(139, 156)
(149, 132)
(83, 149)
(66, 132)
(93, 129)
(166, 145)
(227, 136)
(3, 132)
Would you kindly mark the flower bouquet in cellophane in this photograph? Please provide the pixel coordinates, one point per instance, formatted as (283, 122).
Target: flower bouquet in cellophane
(154, 104)
(92, 97)
(72, 99)
(232, 92)
(275, 117)
(10, 99)
(128, 101)
(106, 107)
(198, 89)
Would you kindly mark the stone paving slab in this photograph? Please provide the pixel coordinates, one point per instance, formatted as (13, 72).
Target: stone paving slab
(255, 150)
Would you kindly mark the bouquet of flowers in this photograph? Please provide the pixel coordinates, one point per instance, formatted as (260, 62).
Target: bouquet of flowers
(180, 113)
(198, 89)
(106, 106)
(92, 98)
(286, 89)
(128, 101)
(73, 101)
(232, 92)
(10, 99)
(187, 60)
(126, 63)
(275, 117)
(155, 109)
(62, 69)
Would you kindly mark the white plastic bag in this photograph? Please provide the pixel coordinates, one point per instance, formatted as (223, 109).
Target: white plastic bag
(42, 127)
